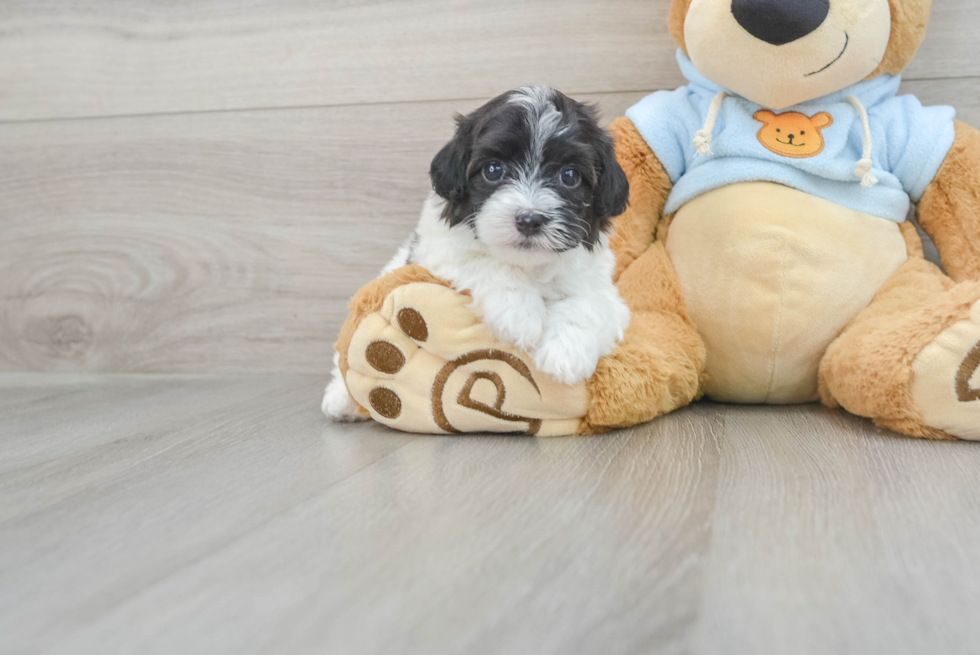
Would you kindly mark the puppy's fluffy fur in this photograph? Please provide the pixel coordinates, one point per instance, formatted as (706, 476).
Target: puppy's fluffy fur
(523, 197)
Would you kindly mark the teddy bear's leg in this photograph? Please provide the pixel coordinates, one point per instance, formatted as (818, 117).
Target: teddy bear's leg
(911, 361)
(415, 357)
(658, 366)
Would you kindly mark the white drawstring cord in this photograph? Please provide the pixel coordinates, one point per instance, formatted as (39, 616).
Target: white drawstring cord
(702, 140)
(864, 165)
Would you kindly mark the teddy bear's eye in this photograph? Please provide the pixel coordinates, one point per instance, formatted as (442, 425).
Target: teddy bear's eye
(778, 130)
(802, 132)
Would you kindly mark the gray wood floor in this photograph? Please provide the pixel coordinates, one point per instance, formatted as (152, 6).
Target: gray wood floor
(224, 515)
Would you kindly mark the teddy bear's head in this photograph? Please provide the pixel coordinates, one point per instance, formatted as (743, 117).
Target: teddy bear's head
(779, 53)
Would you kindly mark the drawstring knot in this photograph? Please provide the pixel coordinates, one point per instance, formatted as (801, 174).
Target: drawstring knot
(702, 140)
(863, 171)
(863, 168)
(702, 143)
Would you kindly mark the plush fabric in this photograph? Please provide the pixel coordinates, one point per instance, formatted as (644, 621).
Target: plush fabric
(755, 276)
(909, 141)
(869, 369)
(650, 185)
(950, 208)
(951, 408)
(778, 58)
(909, 19)
(753, 287)
(675, 21)
(369, 300)
(423, 362)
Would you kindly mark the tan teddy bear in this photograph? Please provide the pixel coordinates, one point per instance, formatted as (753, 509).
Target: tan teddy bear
(765, 255)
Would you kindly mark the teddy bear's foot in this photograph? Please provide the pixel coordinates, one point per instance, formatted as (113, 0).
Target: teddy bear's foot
(946, 382)
(425, 363)
(909, 361)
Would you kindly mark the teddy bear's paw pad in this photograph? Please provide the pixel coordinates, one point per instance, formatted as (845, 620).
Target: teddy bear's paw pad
(379, 348)
(412, 324)
(451, 329)
(424, 363)
(946, 386)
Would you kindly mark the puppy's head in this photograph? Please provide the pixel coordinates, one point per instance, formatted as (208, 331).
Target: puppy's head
(531, 172)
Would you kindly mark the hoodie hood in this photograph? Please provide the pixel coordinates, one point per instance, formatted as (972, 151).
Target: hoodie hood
(863, 146)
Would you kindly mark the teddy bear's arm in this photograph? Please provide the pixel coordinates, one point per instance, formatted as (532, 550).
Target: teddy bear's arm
(949, 211)
(636, 229)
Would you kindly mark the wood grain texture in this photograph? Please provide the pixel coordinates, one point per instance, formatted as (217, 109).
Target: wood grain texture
(949, 49)
(878, 532)
(208, 515)
(214, 459)
(63, 59)
(205, 243)
(60, 58)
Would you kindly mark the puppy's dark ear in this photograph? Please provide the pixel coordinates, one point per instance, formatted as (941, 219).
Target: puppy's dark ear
(448, 170)
(612, 194)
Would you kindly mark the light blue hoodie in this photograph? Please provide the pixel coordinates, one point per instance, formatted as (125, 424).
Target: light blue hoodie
(908, 143)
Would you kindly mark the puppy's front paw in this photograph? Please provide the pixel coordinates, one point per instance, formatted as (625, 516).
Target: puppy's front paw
(517, 323)
(568, 354)
(337, 403)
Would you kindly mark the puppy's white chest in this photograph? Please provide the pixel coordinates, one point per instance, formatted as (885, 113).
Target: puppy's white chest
(551, 291)
(553, 279)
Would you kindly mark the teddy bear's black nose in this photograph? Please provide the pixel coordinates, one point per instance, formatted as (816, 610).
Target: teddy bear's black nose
(780, 21)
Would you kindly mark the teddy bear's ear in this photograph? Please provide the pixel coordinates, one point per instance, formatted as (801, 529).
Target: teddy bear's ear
(764, 116)
(822, 120)
(909, 20)
(675, 21)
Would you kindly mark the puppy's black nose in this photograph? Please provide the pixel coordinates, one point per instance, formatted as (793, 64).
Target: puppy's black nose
(780, 21)
(529, 223)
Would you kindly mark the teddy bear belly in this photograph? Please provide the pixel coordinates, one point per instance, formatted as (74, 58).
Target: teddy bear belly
(771, 275)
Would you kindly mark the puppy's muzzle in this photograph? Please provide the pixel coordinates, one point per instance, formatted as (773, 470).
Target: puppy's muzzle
(530, 223)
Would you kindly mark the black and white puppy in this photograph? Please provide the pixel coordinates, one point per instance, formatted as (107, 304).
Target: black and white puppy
(523, 199)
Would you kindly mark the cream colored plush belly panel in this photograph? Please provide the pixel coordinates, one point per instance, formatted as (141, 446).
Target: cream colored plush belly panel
(771, 276)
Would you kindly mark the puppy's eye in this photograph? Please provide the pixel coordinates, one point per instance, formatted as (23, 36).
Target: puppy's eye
(570, 177)
(493, 171)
